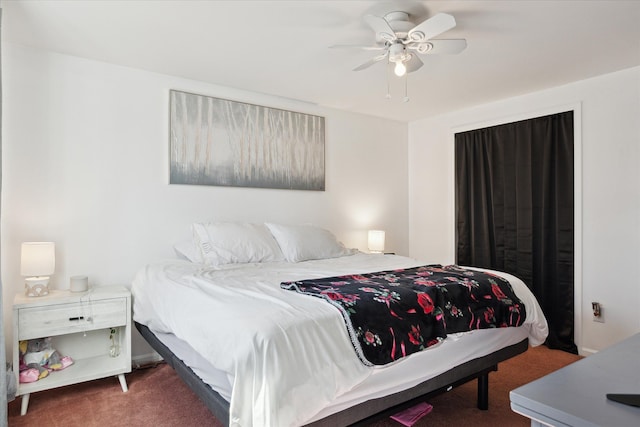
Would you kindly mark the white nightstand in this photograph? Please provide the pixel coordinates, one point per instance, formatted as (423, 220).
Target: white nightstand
(79, 324)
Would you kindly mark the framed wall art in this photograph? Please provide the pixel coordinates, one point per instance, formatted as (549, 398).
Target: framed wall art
(221, 142)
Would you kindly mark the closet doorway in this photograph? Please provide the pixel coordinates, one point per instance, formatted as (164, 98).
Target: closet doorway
(514, 205)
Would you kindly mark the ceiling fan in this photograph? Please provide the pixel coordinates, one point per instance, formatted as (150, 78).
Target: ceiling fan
(401, 41)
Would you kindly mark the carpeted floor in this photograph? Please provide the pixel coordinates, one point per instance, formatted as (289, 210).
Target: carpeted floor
(157, 397)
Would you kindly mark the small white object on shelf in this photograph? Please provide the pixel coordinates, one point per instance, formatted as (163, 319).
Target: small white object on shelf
(78, 283)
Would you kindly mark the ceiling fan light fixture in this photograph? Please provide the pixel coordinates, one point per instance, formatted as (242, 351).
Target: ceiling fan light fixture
(398, 53)
(400, 69)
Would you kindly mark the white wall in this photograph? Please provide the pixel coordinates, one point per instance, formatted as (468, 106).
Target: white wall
(610, 183)
(85, 164)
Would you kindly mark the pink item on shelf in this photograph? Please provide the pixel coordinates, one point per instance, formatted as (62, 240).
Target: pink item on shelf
(66, 361)
(410, 416)
(29, 375)
(63, 363)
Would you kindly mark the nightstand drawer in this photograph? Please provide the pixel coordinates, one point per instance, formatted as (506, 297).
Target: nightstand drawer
(58, 319)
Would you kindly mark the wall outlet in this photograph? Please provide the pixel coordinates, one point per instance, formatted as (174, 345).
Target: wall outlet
(598, 312)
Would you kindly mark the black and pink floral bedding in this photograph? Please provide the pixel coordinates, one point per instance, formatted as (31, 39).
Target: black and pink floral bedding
(392, 314)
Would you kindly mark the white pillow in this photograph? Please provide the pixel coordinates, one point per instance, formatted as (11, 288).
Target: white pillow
(187, 250)
(307, 242)
(235, 242)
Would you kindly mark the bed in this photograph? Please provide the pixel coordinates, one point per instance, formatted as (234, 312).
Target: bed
(259, 355)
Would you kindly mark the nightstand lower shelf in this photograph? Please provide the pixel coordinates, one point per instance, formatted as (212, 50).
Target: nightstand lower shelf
(82, 370)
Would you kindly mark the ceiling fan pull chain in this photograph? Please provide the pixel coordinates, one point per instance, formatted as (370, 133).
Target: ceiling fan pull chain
(406, 90)
(388, 96)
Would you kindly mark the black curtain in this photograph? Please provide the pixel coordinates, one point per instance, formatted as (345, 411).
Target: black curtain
(514, 210)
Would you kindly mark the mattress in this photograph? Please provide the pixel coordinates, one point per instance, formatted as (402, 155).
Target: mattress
(170, 296)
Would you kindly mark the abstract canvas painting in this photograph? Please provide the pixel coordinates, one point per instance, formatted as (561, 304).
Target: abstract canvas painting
(221, 142)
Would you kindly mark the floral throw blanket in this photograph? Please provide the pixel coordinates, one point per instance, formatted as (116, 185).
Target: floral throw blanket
(392, 314)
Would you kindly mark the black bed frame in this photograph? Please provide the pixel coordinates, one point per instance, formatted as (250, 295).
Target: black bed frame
(365, 412)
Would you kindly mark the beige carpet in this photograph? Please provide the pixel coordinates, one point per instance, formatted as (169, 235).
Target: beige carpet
(157, 397)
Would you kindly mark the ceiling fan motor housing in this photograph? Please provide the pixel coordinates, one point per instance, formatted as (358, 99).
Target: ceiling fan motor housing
(399, 23)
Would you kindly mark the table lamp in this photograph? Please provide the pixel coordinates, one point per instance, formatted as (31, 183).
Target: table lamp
(37, 263)
(376, 241)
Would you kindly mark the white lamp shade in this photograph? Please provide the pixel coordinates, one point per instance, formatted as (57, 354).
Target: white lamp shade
(376, 240)
(37, 259)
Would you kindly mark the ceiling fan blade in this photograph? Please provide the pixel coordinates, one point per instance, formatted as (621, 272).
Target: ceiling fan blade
(414, 63)
(381, 27)
(355, 46)
(432, 27)
(447, 46)
(370, 62)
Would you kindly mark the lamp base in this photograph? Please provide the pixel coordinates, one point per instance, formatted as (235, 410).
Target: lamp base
(36, 286)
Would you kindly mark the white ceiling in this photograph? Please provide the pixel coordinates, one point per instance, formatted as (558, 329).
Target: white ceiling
(282, 47)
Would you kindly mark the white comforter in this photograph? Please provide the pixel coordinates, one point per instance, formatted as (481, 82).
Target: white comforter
(288, 354)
